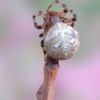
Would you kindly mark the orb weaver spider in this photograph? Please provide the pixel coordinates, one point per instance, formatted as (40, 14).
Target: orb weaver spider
(51, 17)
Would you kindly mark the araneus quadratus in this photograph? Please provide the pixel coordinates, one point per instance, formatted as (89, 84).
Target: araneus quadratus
(51, 18)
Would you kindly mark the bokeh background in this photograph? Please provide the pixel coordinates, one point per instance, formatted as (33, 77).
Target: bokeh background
(21, 58)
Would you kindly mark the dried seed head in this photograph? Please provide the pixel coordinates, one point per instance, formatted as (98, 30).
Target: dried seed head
(61, 41)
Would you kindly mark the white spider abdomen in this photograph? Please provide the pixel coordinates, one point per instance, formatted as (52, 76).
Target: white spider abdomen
(61, 41)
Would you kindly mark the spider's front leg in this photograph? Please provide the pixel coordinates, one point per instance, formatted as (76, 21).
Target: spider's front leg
(57, 2)
(64, 11)
(74, 18)
(39, 26)
(70, 21)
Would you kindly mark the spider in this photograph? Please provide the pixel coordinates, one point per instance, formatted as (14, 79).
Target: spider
(51, 17)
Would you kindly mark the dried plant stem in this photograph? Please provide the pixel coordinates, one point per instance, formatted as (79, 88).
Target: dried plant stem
(46, 91)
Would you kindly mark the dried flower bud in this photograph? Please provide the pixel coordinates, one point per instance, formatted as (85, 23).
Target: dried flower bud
(61, 41)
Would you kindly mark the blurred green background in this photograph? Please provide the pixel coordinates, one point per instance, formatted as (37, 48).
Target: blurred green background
(21, 58)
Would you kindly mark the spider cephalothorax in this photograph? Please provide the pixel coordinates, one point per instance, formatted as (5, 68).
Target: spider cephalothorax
(57, 20)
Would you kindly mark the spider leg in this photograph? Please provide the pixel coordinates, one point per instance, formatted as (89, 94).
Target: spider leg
(42, 45)
(74, 15)
(34, 20)
(42, 34)
(74, 18)
(43, 26)
(70, 21)
(63, 12)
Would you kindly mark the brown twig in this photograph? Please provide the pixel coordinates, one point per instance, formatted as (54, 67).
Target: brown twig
(46, 91)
